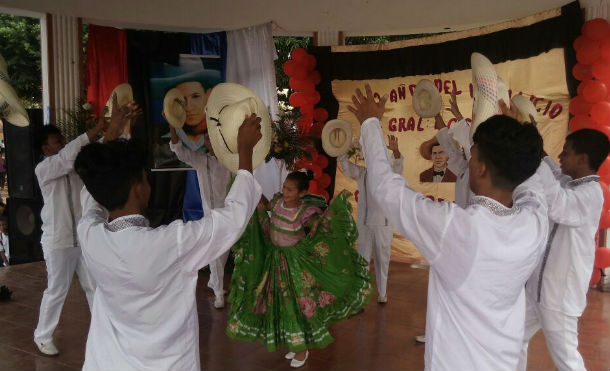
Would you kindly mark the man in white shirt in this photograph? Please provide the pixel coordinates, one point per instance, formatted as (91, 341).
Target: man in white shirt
(481, 256)
(213, 179)
(374, 232)
(557, 290)
(458, 157)
(60, 187)
(144, 315)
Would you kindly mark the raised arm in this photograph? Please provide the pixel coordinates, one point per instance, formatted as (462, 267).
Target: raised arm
(416, 217)
(62, 163)
(206, 239)
(556, 170)
(569, 206)
(349, 169)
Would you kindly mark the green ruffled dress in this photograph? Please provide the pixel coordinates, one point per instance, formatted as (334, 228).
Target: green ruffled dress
(287, 296)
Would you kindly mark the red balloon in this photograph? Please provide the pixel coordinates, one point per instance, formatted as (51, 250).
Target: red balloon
(322, 161)
(324, 180)
(579, 106)
(606, 193)
(320, 114)
(602, 257)
(588, 53)
(579, 90)
(309, 61)
(601, 70)
(594, 91)
(604, 169)
(600, 113)
(307, 110)
(298, 53)
(313, 187)
(579, 42)
(325, 195)
(315, 77)
(317, 171)
(314, 98)
(301, 85)
(300, 71)
(582, 72)
(297, 99)
(316, 129)
(604, 221)
(597, 29)
(577, 122)
(596, 275)
(604, 51)
(289, 67)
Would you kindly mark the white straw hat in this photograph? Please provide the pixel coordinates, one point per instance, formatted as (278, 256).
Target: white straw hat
(124, 95)
(485, 89)
(427, 100)
(337, 137)
(525, 108)
(226, 109)
(11, 109)
(173, 108)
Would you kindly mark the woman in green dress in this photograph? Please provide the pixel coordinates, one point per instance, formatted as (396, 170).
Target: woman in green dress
(296, 271)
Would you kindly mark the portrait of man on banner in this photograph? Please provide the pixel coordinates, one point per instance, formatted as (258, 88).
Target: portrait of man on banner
(194, 79)
(439, 172)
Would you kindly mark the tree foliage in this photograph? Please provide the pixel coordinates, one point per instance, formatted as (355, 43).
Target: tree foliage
(20, 46)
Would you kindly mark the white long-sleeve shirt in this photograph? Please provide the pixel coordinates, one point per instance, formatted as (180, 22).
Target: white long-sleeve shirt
(144, 313)
(561, 280)
(213, 178)
(480, 258)
(458, 164)
(60, 187)
(369, 212)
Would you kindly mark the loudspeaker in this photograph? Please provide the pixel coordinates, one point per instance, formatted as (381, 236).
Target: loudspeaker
(24, 230)
(22, 157)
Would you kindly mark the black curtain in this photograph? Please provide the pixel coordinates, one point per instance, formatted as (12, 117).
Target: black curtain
(144, 47)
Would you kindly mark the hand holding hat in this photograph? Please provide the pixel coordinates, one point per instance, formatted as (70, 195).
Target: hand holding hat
(248, 136)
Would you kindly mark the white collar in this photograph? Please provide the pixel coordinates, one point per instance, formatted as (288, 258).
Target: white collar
(492, 205)
(583, 180)
(127, 221)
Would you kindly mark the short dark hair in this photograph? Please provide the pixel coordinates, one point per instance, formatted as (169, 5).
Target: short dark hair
(110, 170)
(592, 143)
(45, 132)
(512, 151)
(301, 178)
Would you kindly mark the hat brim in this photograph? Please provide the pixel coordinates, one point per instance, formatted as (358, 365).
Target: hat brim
(436, 102)
(486, 97)
(525, 108)
(226, 94)
(329, 127)
(173, 112)
(17, 115)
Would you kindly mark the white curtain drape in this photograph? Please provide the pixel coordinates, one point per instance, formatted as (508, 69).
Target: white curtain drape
(596, 9)
(250, 62)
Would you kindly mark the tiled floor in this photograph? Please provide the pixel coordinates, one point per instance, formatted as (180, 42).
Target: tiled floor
(380, 338)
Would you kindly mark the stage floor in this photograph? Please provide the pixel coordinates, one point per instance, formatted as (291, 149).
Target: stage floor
(380, 338)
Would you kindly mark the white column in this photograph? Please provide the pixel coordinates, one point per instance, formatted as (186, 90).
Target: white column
(329, 38)
(66, 69)
(596, 9)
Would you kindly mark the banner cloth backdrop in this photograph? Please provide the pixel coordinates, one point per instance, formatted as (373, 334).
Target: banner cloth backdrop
(534, 56)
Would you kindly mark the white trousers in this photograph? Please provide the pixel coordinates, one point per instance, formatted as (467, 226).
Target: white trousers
(377, 240)
(560, 333)
(61, 266)
(217, 274)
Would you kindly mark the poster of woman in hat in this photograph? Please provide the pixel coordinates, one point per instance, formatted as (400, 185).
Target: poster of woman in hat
(194, 78)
